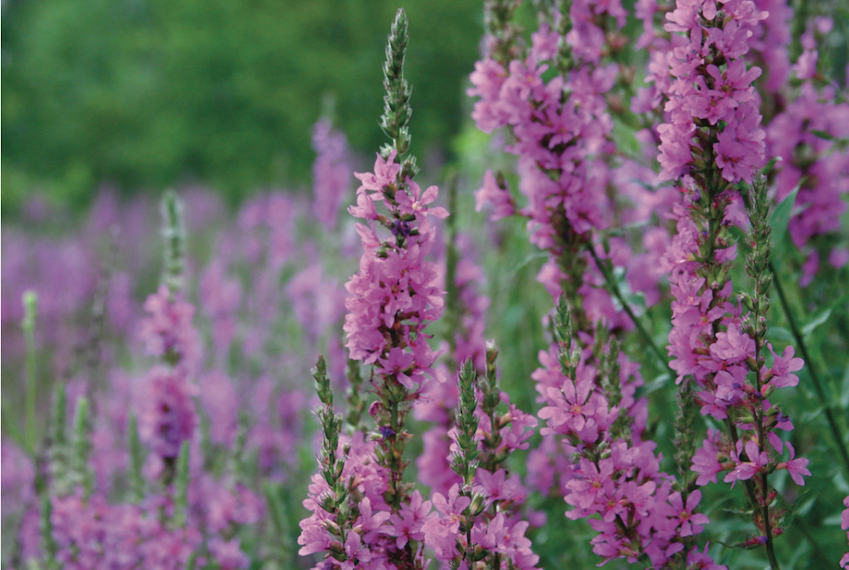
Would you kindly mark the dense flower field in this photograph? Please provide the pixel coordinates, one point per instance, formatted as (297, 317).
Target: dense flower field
(616, 333)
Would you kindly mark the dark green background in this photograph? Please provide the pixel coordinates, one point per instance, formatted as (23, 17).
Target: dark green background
(147, 94)
(144, 94)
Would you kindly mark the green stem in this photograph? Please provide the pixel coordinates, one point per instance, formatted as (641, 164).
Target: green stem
(809, 363)
(30, 307)
(614, 288)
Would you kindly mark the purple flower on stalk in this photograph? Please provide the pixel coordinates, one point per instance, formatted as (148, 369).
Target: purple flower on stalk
(745, 470)
(228, 554)
(168, 331)
(167, 417)
(689, 521)
(407, 524)
(414, 202)
(783, 366)
(385, 173)
(798, 468)
(705, 461)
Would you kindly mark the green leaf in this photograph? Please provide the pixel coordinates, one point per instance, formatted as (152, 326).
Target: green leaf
(780, 334)
(823, 135)
(816, 321)
(624, 135)
(769, 166)
(823, 315)
(781, 215)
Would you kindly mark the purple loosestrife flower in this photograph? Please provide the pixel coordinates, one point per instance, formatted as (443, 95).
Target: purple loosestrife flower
(395, 294)
(318, 303)
(167, 416)
(228, 554)
(167, 331)
(640, 515)
(563, 130)
(95, 534)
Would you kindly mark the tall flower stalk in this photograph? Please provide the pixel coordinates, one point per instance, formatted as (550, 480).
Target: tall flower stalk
(394, 296)
(710, 142)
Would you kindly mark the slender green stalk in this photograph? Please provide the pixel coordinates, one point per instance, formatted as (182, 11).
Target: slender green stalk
(82, 448)
(136, 460)
(181, 487)
(30, 300)
(58, 451)
(809, 364)
(48, 543)
(755, 325)
(613, 287)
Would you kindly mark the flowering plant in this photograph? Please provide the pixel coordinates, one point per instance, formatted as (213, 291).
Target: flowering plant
(663, 179)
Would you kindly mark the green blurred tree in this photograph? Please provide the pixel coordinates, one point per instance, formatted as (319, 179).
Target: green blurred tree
(148, 93)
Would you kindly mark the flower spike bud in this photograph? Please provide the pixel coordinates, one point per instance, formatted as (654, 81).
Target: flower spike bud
(464, 462)
(48, 542)
(322, 382)
(396, 110)
(30, 300)
(505, 37)
(174, 232)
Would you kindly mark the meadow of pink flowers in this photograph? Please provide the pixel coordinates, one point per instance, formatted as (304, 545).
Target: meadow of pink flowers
(635, 356)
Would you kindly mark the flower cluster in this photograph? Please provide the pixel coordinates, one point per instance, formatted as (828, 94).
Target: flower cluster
(478, 518)
(614, 474)
(167, 417)
(711, 85)
(92, 533)
(394, 295)
(556, 140)
(804, 136)
(167, 332)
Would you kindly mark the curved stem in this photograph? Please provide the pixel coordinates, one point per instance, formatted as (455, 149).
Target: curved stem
(809, 363)
(613, 287)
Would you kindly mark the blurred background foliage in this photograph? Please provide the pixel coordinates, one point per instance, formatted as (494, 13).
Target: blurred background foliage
(143, 94)
(146, 94)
